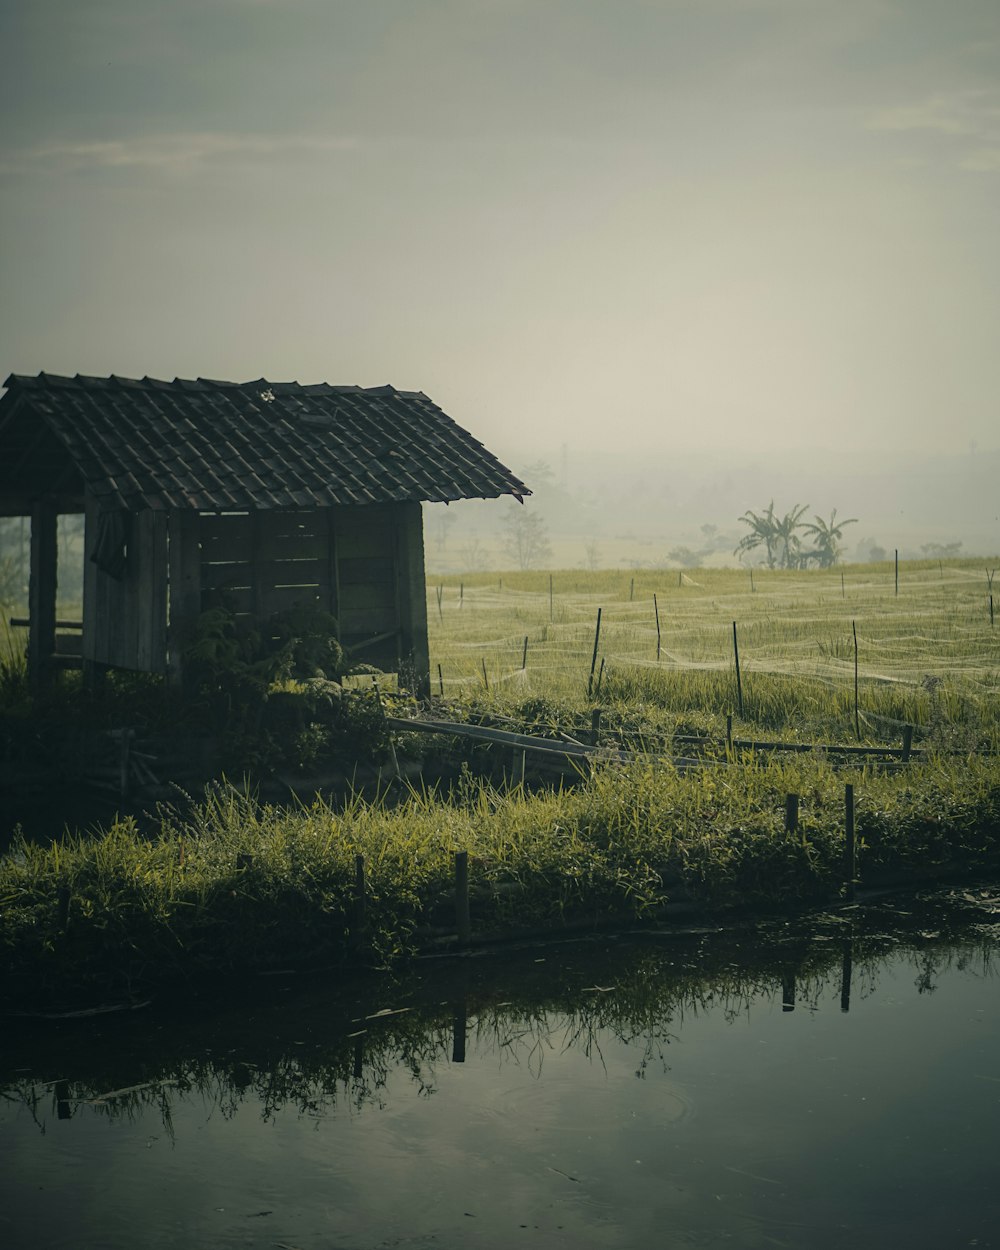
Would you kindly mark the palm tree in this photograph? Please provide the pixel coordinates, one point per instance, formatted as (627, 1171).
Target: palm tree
(785, 534)
(763, 532)
(827, 536)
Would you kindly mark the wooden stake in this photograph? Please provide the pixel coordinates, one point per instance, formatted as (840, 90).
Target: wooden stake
(751, 582)
(595, 725)
(631, 590)
(991, 611)
(463, 921)
(593, 661)
(461, 593)
(600, 677)
(857, 713)
(524, 654)
(897, 570)
(849, 857)
(739, 680)
(486, 680)
(656, 613)
(440, 681)
(729, 734)
(357, 931)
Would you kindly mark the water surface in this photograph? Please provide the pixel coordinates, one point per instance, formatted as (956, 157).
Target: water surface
(829, 1085)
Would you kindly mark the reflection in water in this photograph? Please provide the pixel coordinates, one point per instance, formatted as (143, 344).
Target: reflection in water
(601, 1092)
(324, 1050)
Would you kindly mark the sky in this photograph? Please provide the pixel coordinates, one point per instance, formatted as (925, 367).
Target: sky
(643, 229)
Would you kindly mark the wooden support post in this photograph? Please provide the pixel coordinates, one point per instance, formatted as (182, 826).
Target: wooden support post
(42, 596)
(849, 853)
(358, 928)
(463, 921)
(752, 588)
(593, 660)
(729, 734)
(486, 680)
(440, 681)
(907, 742)
(631, 590)
(739, 679)
(461, 593)
(524, 654)
(791, 812)
(897, 570)
(991, 611)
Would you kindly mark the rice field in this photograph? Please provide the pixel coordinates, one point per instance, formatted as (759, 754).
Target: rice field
(928, 653)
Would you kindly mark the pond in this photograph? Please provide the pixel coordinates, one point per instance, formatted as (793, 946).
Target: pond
(801, 1084)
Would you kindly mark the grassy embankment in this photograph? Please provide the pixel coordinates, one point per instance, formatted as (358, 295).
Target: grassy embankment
(238, 887)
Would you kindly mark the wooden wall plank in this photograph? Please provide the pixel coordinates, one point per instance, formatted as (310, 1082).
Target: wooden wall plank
(183, 559)
(412, 594)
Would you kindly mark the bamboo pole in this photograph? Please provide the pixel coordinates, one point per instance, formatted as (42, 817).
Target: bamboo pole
(656, 613)
(857, 710)
(849, 852)
(593, 661)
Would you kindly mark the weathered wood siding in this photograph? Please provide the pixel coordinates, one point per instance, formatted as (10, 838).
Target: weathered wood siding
(365, 565)
(125, 621)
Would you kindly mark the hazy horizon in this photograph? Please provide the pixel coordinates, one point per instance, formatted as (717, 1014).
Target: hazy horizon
(749, 246)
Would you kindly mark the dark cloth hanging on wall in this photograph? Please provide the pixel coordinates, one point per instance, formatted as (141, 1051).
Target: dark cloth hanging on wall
(110, 552)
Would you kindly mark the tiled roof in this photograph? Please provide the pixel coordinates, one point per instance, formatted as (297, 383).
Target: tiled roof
(256, 445)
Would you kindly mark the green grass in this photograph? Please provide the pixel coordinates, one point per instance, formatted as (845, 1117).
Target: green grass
(928, 656)
(239, 887)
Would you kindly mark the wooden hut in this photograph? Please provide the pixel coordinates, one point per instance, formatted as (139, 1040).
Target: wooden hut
(271, 494)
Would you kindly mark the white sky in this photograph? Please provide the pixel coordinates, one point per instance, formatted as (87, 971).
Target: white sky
(634, 225)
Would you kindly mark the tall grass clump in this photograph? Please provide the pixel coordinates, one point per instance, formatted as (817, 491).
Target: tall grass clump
(238, 886)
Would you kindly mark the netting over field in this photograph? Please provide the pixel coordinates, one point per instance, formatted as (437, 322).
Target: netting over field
(932, 639)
